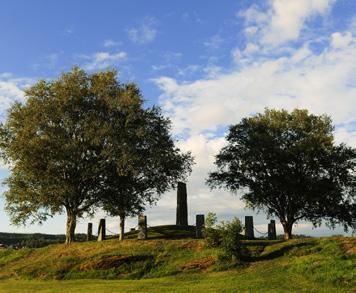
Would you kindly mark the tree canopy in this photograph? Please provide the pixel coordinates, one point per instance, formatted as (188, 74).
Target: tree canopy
(288, 165)
(72, 138)
(150, 165)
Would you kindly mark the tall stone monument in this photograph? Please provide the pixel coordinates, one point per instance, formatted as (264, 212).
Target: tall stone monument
(90, 231)
(142, 227)
(102, 230)
(182, 207)
(272, 235)
(249, 227)
(199, 226)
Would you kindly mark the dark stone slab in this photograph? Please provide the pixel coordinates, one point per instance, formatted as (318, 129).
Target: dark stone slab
(272, 235)
(199, 226)
(249, 233)
(182, 207)
(90, 231)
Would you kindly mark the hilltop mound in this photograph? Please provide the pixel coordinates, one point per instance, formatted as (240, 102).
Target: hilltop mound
(328, 260)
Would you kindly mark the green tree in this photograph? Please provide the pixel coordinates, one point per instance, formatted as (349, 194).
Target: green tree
(288, 165)
(152, 163)
(59, 144)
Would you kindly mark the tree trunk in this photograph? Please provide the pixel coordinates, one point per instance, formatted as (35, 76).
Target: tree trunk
(122, 227)
(287, 228)
(71, 223)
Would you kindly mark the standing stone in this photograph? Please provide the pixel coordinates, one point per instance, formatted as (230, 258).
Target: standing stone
(249, 227)
(182, 207)
(142, 227)
(272, 235)
(101, 230)
(199, 226)
(90, 231)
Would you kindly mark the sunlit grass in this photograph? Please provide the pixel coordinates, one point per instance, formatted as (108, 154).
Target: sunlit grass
(181, 265)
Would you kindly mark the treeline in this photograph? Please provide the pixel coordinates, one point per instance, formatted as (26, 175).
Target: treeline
(34, 240)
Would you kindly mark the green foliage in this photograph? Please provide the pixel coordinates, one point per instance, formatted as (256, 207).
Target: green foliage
(211, 233)
(82, 141)
(288, 165)
(144, 161)
(226, 235)
(231, 238)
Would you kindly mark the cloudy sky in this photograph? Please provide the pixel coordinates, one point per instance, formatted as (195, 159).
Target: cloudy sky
(206, 63)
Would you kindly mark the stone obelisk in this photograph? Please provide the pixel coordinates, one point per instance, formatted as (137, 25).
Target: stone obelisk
(182, 207)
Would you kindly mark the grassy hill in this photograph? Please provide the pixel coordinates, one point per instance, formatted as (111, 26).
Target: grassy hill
(181, 264)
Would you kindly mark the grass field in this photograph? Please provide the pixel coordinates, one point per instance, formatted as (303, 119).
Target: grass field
(181, 265)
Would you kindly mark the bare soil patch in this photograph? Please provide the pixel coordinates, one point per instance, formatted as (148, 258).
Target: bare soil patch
(200, 264)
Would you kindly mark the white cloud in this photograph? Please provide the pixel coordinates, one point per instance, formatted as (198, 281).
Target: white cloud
(345, 135)
(251, 30)
(102, 60)
(111, 43)
(284, 20)
(251, 48)
(47, 62)
(144, 33)
(11, 90)
(236, 55)
(320, 82)
(341, 40)
(213, 42)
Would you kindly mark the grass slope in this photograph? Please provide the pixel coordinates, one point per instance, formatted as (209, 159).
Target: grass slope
(181, 265)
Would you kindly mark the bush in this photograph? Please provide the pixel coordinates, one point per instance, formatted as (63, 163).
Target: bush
(231, 238)
(211, 233)
(226, 235)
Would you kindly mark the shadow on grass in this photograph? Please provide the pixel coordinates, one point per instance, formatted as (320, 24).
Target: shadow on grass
(164, 232)
(275, 253)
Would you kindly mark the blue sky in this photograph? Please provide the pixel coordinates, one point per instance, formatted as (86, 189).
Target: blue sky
(206, 63)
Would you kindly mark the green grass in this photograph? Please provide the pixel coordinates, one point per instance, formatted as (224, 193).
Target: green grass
(181, 265)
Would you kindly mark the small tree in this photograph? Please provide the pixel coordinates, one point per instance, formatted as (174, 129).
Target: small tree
(231, 238)
(211, 233)
(288, 165)
(226, 235)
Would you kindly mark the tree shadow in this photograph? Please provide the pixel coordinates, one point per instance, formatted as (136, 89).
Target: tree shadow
(274, 253)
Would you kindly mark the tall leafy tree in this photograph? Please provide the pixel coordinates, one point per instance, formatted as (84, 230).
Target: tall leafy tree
(49, 141)
(59, 142)
(144, 161)
(288, 165)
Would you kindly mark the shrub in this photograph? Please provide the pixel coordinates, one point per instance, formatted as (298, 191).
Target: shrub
(211, 233)
(231, 238)
(226, 235)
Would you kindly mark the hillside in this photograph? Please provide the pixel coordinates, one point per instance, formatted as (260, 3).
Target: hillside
(161, 265)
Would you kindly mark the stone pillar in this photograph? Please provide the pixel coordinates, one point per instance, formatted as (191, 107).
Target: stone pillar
(102, 230)
(142, 227)
(272, 235)
(182, 207)
(249, 227)
(90, 231)
(199, 226)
